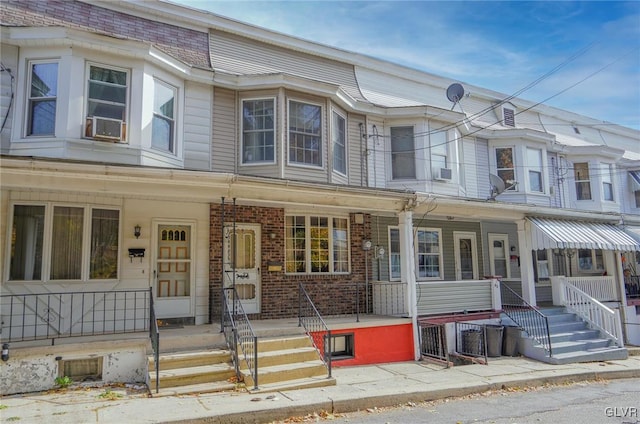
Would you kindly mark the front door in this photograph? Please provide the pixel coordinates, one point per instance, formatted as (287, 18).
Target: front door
(465, 256)
(243, 268)
(173, 271)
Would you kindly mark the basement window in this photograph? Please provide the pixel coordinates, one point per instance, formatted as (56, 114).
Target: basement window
(79, 370)
(342, 346)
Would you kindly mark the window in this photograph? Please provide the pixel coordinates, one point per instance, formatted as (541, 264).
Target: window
(163, 125)
(583, 185)
(43, 83)
(305, 129)
(429, 253)
(107, 97)
(438, 151)
(505, 167)
(394, 254)
(541, 265)
(637, 197)
(590, 260)
(607, 181)
(499, 255)
(342, 346)
(316, 244)
(403, 162)
(258, 130)
(534, 163)
(63, 244)
(339, 144)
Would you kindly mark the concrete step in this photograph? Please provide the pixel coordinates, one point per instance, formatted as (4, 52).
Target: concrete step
(592, 355)
(561, 318)
(193, 375)
(194, 389)
(574, 335)
(285, 356)
(283, 343)
(579, 345)
(566, 327)
(303, 383)
(176, 360)
(286, 372)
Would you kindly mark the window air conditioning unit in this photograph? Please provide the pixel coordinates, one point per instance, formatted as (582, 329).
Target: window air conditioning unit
(443, 174)
(106, 129)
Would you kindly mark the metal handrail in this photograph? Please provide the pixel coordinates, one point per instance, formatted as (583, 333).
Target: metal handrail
(239, 333)
(49, 316)
(154, 335)
(531, 320)
(314, 326)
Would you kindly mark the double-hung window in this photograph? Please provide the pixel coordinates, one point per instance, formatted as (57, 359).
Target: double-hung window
(163, 124)
(339, 137)
(590, 260)
(107, 102)
(403, 154)
(316, 244)
(499, 255)
(607, 181)
(505, 167)
(438, 151)
(428, 243)
(43, 93)
(534, 164)
(305, 134)
(62, 243)
(583, 183)
(394, 254)
(258, 131)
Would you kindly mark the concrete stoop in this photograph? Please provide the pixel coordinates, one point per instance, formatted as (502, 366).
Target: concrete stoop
(572, 341)
(287, 363)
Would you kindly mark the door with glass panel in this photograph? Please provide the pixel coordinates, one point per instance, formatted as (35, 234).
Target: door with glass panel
(173, 271)
(466, 258)
(242, 269)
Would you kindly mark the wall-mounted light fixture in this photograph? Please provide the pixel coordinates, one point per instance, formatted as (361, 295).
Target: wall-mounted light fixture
(136, 231)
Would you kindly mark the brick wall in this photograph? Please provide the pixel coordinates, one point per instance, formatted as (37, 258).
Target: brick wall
(188, 45)
(331, 293)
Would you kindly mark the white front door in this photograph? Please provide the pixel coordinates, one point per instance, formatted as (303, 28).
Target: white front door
(243, 270)
(173, 282)
(465, 256)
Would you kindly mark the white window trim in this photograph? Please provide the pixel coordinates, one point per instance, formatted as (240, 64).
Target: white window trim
(176, 105)
(307, 244)
(607, 172)
(514, 158)
(346, 143)
(323, 137)
(540, 170)
(457, 236)
(414, 150)
(47, 242)
(275, 132)
(588, 180)
(399, 253)
(27, 97)
(440, 254)
(491, 237)
(127, 109)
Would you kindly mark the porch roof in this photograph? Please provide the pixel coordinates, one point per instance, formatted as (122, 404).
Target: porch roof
(548, 233)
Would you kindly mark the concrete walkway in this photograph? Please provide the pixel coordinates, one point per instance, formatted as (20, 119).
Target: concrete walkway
(357, 388)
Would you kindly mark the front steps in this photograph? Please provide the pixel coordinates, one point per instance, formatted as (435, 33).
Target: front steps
(284, 363)
(571, 341)
(287, 363)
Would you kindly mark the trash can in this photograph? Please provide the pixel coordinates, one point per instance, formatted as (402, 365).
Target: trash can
(472, 342)
(510, 342)
(494, 340)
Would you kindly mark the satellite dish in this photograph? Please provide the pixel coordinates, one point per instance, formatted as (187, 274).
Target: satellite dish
(497, 186)
(455, 92)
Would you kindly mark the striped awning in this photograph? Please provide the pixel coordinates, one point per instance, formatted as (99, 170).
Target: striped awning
(551, 233)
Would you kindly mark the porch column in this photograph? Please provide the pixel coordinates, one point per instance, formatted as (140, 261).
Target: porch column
(407, 270)
(527, 276)
(622, 294)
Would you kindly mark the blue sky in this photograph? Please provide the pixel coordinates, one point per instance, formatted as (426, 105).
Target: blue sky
(502, 46)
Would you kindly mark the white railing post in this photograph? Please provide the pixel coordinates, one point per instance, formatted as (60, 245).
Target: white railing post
(496, 298)
(557, 290)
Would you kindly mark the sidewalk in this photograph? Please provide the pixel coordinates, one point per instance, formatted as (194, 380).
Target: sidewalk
(357, 388)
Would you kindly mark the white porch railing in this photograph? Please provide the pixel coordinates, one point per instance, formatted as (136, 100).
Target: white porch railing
(597, 315)
(446, 297)
(601, 288)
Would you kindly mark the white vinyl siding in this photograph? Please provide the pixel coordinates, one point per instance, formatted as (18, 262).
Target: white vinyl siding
(197, 127)
(223, 149)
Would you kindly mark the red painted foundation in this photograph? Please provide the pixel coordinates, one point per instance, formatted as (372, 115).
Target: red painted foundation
(377, 345)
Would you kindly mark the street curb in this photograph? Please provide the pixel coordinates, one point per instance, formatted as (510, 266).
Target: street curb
(398, 399)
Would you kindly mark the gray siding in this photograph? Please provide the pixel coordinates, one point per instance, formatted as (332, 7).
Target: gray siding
(380, 237)
(7, 86)
(356, 146)
(197, 126)
(468, 156)
(243, 56)
(450, 297)
(482, 161)
(223, 149)
(555, 199)
(376, 157)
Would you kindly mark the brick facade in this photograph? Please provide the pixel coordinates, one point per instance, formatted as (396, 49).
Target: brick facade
(331, 293)
(188, 45)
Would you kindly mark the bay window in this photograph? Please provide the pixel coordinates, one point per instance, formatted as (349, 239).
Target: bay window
(305, 134)
(534, 163)
(107, 97)
(163, 124)
(438, 150)
(607, 181)
(57, 242)
(505, 167)
(258, 130)
(403, 162)
(43, 92)
(583, 183)
(316, 244)
(339, 137)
